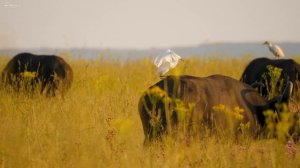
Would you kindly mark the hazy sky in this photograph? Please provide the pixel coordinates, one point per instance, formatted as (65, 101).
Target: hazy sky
(145, 23)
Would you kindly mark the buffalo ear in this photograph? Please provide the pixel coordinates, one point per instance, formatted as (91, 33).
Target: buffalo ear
(257, 84)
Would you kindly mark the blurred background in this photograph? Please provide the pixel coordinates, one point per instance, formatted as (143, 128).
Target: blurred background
(138, 28)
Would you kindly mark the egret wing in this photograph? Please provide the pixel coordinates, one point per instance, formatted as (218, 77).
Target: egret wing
(164, 68)
(157, 61)
(166, 61)
(278, 51)
(165, 57)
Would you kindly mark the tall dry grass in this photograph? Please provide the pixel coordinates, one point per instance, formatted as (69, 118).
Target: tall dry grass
(97, 123)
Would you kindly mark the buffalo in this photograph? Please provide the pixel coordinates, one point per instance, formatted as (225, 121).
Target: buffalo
(51, 72)
(257, 71)
(162, 106)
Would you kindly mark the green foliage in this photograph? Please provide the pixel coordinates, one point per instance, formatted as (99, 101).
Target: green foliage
(279, 123)
(165, 106)
(272, 81)
(229, 121)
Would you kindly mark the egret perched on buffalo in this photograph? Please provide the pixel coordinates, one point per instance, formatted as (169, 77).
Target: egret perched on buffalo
(275, 49)
(166, 61)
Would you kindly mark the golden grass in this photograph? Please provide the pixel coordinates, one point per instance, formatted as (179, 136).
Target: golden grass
(97, 124)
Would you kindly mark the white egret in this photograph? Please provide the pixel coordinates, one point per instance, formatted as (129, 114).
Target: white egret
(275, 49)
(166, 61)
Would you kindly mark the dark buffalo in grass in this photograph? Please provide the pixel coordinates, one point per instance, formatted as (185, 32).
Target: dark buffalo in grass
(258, 68)
(52, 73)
(207, 101)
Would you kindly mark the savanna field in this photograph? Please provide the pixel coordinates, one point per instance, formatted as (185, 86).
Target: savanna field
(97, 123)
